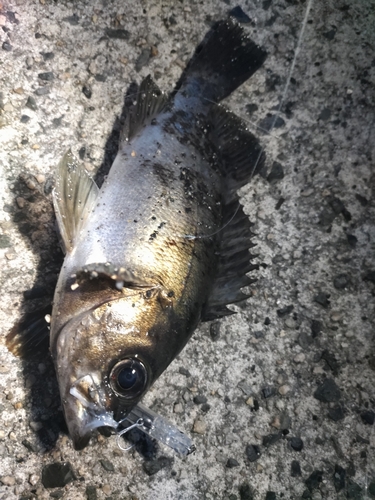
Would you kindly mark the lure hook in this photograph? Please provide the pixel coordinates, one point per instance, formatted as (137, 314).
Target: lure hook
(138, 423)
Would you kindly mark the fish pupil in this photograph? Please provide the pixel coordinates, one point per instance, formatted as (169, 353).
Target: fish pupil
(127, 377)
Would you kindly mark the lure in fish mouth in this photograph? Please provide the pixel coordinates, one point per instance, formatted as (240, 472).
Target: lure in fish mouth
(163, 245)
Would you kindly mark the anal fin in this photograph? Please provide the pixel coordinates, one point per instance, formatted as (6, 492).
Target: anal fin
(233, 266)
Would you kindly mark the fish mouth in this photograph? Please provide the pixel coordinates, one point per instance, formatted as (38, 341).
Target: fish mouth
(83, 422)
(85, 411)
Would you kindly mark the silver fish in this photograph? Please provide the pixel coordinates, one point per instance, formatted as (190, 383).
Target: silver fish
(163, 245)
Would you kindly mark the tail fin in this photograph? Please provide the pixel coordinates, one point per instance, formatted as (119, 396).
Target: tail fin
(224, 60)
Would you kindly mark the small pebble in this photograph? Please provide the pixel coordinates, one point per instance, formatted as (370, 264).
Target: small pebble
(271, 439)
(31, 184)
(276, 422)
(8, 107)
(313, 481)
(36, 426)
(299, 358)
(336, 316)
(42, 91)
(184, 371)
(30, 381)
(328, 392)
(31, 103)
(200, 399)
(40, 178)
(91, 493)
(29, 62)
(57, 475)
(341, 281)
(232, 462)
(143, 59)
(154, 51)
(18, 405)
(322, 298)
(316, 495)
(20, 202)
(33, 479)
(252, 452)
(307, 192)
(295, 469)
(48, 76)
(296, 443)
(337, 413)
(277, 171)
(7, 46)
(368, 417)
(268, 392)
(153, 466)
(178, 408)
(290, 323)
(87, 92)
(106, 489)
(8, 480)
(199, 426)
(284, 389)
(107, 465)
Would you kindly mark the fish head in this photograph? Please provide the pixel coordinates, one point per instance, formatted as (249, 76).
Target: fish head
(108, 356)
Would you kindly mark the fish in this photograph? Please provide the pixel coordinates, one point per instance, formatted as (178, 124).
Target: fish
(163, 245)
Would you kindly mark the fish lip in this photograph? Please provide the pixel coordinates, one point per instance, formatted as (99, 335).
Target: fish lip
(81, 429)
(83, 418)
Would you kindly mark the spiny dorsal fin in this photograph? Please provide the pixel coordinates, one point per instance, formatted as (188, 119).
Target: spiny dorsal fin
(150, 101)
(240, 153)
(74, 196)
(240, 156)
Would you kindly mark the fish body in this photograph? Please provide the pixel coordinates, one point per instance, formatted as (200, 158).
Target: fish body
(163, 245)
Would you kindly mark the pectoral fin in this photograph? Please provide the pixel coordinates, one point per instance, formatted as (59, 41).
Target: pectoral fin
(74, 197)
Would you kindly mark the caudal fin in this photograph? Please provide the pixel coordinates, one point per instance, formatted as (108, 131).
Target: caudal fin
(224, 60)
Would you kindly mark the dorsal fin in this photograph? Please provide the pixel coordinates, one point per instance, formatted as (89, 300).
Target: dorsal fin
(240, 156)
(74, 196)
(150, 101)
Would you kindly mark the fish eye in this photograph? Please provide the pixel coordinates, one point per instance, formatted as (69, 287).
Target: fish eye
(128, 378)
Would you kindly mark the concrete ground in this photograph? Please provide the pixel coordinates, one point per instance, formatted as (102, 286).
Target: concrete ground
(280, 397)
